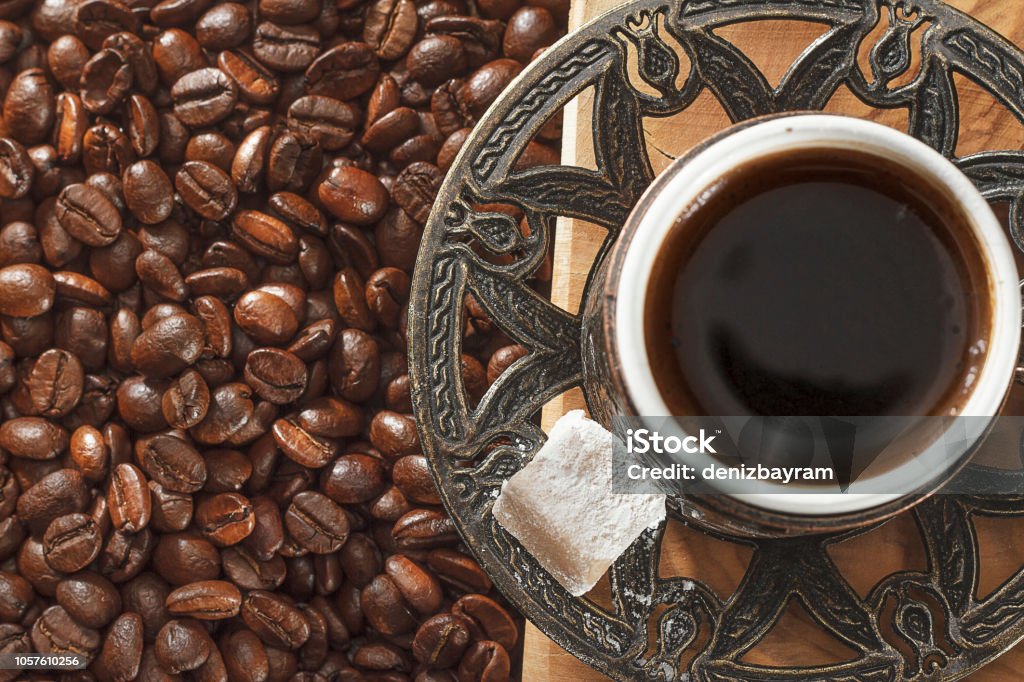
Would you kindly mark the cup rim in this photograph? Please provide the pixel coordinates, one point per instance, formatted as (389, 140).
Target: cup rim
(687, 177)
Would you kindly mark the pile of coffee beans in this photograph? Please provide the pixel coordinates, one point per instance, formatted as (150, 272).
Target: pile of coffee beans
(210, 212)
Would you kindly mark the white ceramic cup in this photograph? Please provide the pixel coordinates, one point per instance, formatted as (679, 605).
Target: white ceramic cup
(680, 185)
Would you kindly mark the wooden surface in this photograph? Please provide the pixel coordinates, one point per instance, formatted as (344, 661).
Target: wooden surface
(795, 641)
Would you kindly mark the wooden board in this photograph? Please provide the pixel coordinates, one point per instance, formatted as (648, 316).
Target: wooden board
(795, 641)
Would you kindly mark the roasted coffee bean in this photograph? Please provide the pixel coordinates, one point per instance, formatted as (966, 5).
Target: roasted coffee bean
(168, 346)
(494, 621)
(274, 621)
(33, 438)
(69, 129)
(256, 83)
(29, 106)
(441, 641)
(353, 195)
(172, 511)
(54, 385)
(121, 654)
(415, 189)
(387, 293)
(15, 597)
(89, 598)
(55, 632)
(175, 54)
(424, 529)
(182, 558)
(420, 589)
(95, 20)
(302, 446)
(248, 572)
(224, 26)
(26, 290)
(204, 97)
(185, 402)
(385, 608)
(352, 479)
(106, 79)
(87, 215)
(206, 189)
(171, 460)
(128, 499)
(265, 236)
(276, 375)
(390, 27)
(458, 569)
(436, 59)
(71, 542)
(182, 645)
(394, 434)
(345, 71)
(148, 192)
(316, 522)
(329, 122)
(245, 656)
(225, 518)
(295, 160)
(16, 170)
(205, 600)
(286, 48)
(485, 661)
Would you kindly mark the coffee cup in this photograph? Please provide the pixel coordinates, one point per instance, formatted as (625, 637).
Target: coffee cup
(895, 296)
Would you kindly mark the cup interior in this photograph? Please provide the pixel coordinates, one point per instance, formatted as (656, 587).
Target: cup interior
(688, 178)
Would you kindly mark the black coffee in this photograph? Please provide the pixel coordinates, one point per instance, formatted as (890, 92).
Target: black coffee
(818, 283)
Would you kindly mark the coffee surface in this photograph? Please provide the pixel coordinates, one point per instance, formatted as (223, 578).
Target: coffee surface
(818, 284)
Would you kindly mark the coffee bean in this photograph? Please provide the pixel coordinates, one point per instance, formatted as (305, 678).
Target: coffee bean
(249, 573)
(295, 160)
(186, 400)
(256, 83)
(26, 290)
(29, 106)
(490, 617)
(384, 607)
(302, 446)
(265, 236)
(224, 26)
(529, 29)
(168, 346)
(390, 27)
(87, 215)
(16, 170)
(148, 192)
(182, 645)
(206, 189)
(346, 71)
(33, 438)
(329, 122)
(128, 498)
(440, 641)
(316, 522)
(204, 97)
(57, 633)
(15, 596)
(183, 558)
(424, 529)
(54, 384)
(205, 600)
(286, 48)
(436, 59)
(353, 195)
(89, 598)
(275, 375)
(106, 79)
(172, 511)
(121, 654)
(71, 542)
(420, 589)
(274, 621)
(394, 434)
(95, 20)
(226, 518)
(172, 461)
(415, 189)
(231, 408)
(485, 661)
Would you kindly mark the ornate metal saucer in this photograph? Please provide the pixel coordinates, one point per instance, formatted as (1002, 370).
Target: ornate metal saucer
(921, 625)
